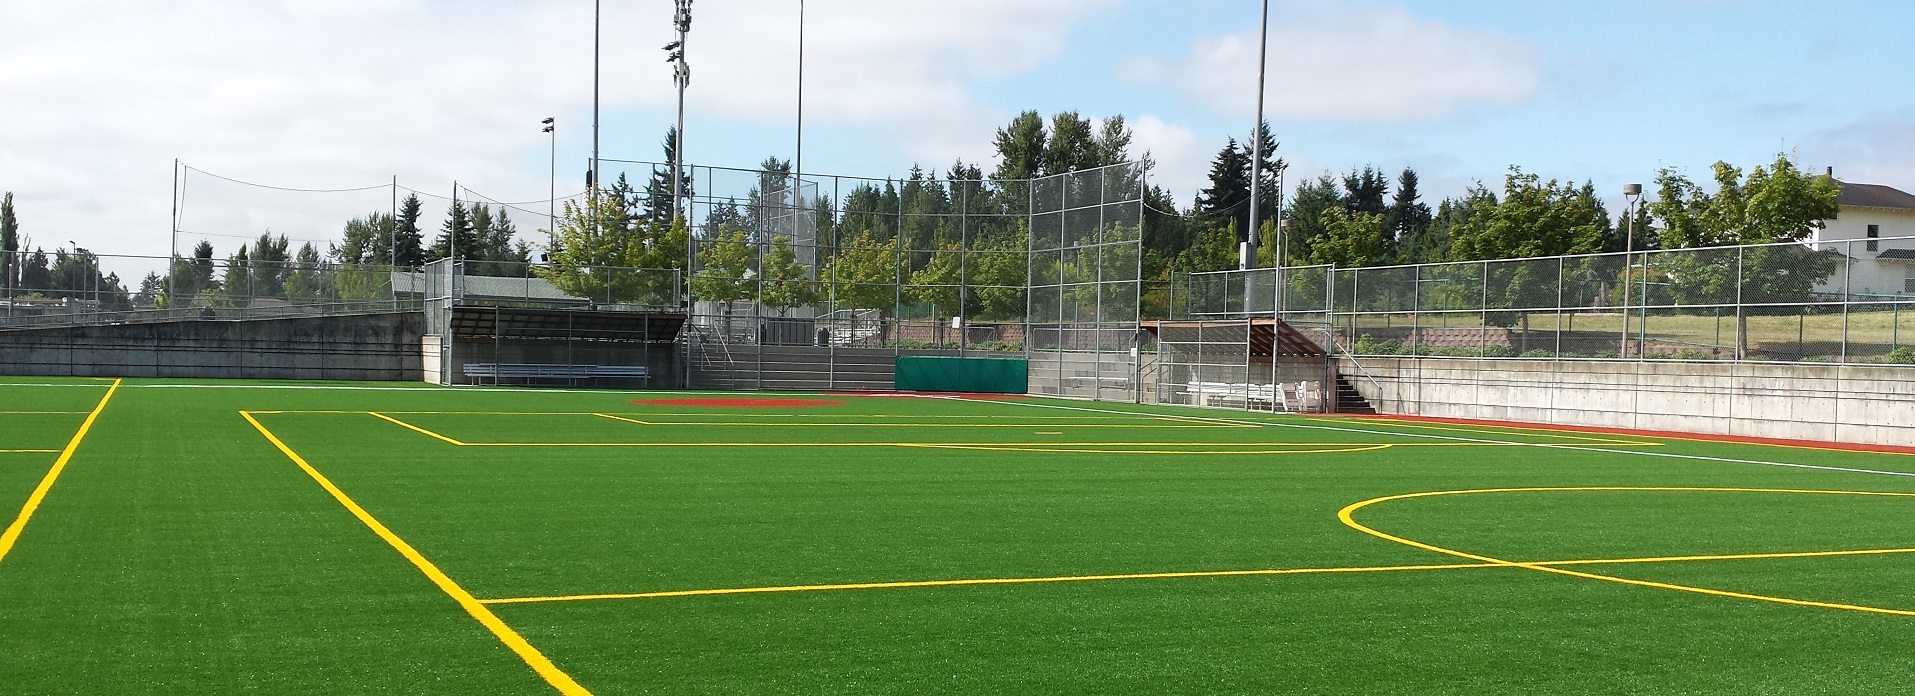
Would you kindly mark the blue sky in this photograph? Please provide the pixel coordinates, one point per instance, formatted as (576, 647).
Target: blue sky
(100, 96)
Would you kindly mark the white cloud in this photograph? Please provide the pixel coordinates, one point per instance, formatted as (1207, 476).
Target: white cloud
(904, 69)
(1179, 156)
(1350, 60)
(99, 96)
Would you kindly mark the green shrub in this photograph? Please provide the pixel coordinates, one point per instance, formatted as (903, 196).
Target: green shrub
(1902, 356)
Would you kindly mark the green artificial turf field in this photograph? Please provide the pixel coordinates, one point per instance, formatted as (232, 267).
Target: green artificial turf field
(330, 538)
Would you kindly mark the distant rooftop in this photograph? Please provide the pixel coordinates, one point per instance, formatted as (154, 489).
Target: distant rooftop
(1875, 196)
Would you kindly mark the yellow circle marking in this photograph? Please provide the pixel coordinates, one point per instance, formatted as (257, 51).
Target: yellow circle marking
(1346, 515)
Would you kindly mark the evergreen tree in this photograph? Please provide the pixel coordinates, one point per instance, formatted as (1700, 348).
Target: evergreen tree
(1273, 166)
(306, 279)
(270, 264)
(410, 252)
(657, 203)
(36, 275)
(1364, 191)
(457, 228)
(1407, 221)
(1307, 205)
(1227, 199)
(238, 280)
(9, 244)
(1646, 237)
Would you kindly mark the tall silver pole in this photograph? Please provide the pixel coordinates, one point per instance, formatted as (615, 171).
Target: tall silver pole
(682, 76)
(392, 230)
(798, 162)
(552, 192)
(171, 261)
(1248, 258)
(594, 178)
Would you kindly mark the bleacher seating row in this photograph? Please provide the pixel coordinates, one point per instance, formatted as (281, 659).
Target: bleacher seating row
(1286, 396)
(552, 371)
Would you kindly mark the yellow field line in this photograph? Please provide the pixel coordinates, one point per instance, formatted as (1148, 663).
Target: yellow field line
(1346, 515)
(31, 413)
(532, 657)
(413, 428)
(622, 418)
(12, 534)
(1174, 575)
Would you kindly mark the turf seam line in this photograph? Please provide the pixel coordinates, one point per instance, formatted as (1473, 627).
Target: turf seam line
(19, 525)
(511, 638)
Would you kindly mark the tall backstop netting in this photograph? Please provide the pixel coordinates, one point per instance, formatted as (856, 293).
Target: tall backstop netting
(1085, 253)
(825, 283)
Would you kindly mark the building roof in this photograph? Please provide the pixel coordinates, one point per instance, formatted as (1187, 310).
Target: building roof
(1897, 255)
(490, 288)
(1874, 196)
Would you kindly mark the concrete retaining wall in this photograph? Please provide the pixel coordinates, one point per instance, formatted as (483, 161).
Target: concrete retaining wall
(1871, 404)
(381, 346)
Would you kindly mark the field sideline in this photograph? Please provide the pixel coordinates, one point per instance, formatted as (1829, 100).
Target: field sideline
(287, 537)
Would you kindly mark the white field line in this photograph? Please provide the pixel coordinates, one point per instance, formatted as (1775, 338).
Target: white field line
(1579, 448)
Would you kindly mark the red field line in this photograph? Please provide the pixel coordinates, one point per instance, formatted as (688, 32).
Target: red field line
(1672, 434)
(969, 396)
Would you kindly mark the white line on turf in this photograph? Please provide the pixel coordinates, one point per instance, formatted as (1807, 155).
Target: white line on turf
(1579, 448)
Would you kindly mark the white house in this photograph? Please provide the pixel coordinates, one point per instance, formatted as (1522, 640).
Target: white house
(1876, 230)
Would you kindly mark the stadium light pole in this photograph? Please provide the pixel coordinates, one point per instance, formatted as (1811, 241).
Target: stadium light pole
(591, 178)
(552, 191)
(798, 160)
(681, 76)
(1247, 254)
(1633, 194)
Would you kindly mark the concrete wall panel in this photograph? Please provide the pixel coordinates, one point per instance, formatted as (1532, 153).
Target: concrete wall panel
(1871, 404)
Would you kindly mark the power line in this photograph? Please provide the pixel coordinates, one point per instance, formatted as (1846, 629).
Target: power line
(284, 188)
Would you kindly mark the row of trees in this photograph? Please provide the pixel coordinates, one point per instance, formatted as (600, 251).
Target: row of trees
(63, 274)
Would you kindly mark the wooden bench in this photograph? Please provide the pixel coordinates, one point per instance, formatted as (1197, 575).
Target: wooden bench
(498, 371)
